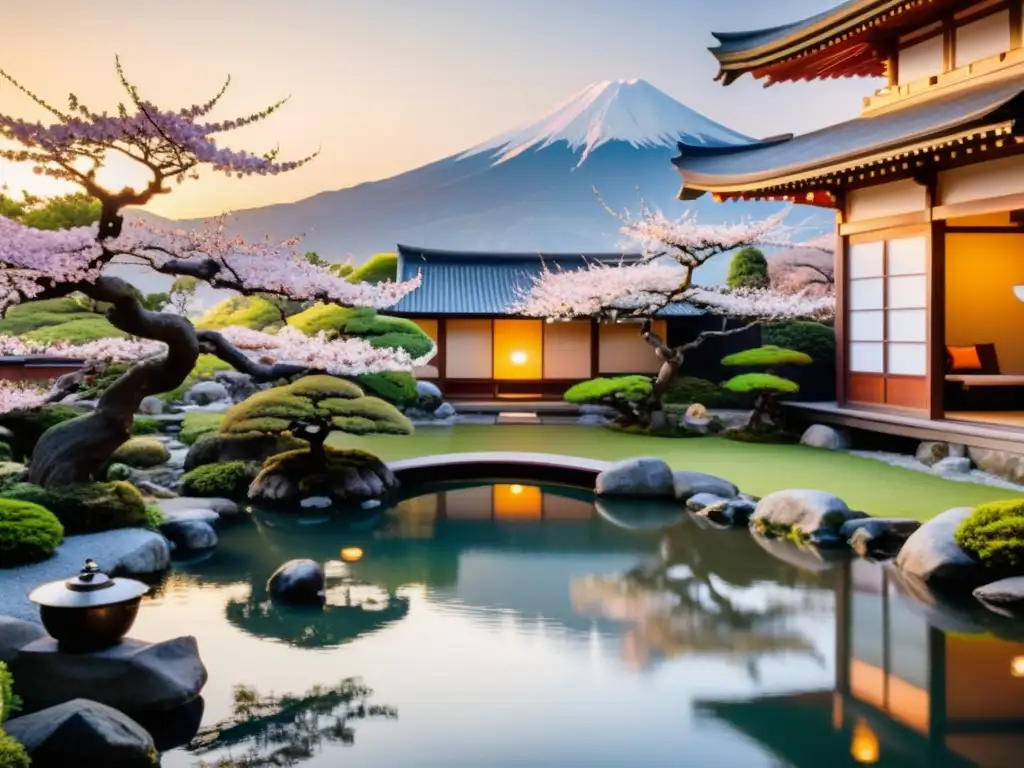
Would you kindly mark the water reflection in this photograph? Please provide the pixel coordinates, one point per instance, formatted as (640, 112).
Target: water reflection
(503, 619)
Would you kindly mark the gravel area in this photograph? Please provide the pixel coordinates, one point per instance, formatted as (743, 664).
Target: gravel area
(909, 462)
(105, 548)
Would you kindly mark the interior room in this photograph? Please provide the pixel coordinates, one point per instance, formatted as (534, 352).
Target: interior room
(984, 373)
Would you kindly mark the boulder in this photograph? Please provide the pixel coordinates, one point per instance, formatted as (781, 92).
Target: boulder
(1003, 596)
(148, 556)
(154, 490)
(151, 405)
(445, 411)
(15, 634)
(223, 507)
(877, 537)
(132, 676)
(732, 512)
(82, 732)
(207, 516)
(428, 396)
(592, 420)
(816, 515)
(952, 465)
(698, 501)
(218, 448)
(826, 437)
(641, 477)
(598, 410)
(933, 556)
(686, 484)
(238, 385)
(1009, 466)
(300, 582)
(930, 452)
(206, 393)
(190, 535)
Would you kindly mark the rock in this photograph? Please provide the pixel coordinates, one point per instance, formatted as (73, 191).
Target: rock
(418, 414)
(636, 515)
(83, 732)
(933, 556)
(650, 477)
(812, 514)
(238, 385)
(1009, 466)
(686, 484)
(698, 412)
(217, 448)
(166, 477)
(190, 535)
(347, 476)
(207, 516)
(428, 396)
(150, 556)
(206, 393)
(698, 501)
(929, 452)
(151, 405)
(444, 411)
(728, 512)
(131, 676)
(1003, 596)
(15, 634)
(301, 582)
(877, 537)
(598, 410)
(223, 507)
(370, 504)
(316, 502)
(952, 465)
(592, 420)
(825, 437)
(154, 490)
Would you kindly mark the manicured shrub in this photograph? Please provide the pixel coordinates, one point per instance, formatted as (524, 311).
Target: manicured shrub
(765, 386)
(766, 356)
(320, 317)
(80, 330)
(268, 409)
(8, 701)
(396, 387)
(994, 534)
(595, 391)
(690, 389)
(760, 383)
(229, 479)
(144, 425)
(29, 533)
(199, 423)
(117, 471)
(815, 339)
(86, 507)
(366, 415)
(377, 269)
(320, 387)
(748, 269)
(28, 426)
(141, 453)
(245, 311)
(12, 754)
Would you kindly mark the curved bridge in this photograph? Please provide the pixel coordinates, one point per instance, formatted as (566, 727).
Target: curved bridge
(500, 465)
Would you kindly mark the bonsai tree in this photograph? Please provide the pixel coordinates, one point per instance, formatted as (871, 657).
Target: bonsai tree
(626, 394)
(748, 269)
(171, 146)
(673, 250)
(764, 385)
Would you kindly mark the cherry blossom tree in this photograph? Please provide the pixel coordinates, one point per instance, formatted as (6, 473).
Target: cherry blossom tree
(673, 250)
(170, 146)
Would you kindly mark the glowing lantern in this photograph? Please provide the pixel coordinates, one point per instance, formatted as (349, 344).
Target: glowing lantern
(1017, 666)
(351, 554)
(864, 746)
(516, 489)
(518, 358)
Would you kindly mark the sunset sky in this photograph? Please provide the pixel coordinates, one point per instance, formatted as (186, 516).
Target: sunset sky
(384, 86)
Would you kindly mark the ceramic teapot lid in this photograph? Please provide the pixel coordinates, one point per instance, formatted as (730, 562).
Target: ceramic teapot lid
(91, 588)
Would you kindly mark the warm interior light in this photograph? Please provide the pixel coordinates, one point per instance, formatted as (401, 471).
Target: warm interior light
(516, 489)
(518, 358)
(351, 554)
(1017, 666)
(864, 746)
(1018, 291)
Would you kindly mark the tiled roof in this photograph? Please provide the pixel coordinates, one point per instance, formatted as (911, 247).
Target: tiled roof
(732, 43)
(862, 137)
(486, 284)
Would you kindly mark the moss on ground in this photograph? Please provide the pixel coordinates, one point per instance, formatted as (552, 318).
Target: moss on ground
(29, 533)
(197, 424)
(229, 479)
(86, 507)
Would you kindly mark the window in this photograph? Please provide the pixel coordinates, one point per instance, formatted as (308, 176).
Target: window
(921, 60)
(980, 39)
(887, 321)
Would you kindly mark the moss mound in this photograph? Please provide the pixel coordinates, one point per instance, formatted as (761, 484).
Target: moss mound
(197, 424)
(595, 391)
(216, 447)
(29, 533)
(760, 382)
(320, 386)
(365, 416)
(766, 356)
(229, 479)
(994, 534)
(244, 311)
(26, 427)
(376, 269)
(141, 453)
(68, 319)
(86, 507)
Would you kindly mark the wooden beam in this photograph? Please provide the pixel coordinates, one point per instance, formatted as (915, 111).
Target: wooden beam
(915, 218)
(936, 314)
(979, 207)
(1016, 22)
(442, 356)
(595, 349)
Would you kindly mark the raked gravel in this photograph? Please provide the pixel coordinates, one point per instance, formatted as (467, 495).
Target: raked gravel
(105, 548)
(909, 462)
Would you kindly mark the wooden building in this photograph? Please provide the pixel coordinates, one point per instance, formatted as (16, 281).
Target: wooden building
(487, 351)
(928, 189)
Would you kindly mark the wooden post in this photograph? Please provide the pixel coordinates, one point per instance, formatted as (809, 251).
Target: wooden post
(936, 297)
(839, 270)
(595, 349)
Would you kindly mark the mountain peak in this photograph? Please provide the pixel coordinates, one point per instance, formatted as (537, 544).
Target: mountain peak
(632, 111)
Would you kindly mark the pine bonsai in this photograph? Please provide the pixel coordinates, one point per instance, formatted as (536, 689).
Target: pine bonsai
(766, 385)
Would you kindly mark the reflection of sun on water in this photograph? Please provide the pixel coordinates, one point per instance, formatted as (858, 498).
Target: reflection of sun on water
(864, 746)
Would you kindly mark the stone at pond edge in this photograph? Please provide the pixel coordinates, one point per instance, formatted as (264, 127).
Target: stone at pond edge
(82, 732)
(15, 634)
(877, 537)
(131, 676)
(299, 582)
(686, 484)
(825, 437)
(428, 396)
(151, 405)
(191, 535)
(930, 452)
(734, 512)
(1009, 466)
(640, 477)
(699, 501)
(444, 411)
(814, 514)
(206, 393)
(952, 465)
(932, 555)
(223, 507)
(1004, 596)
(150, 555)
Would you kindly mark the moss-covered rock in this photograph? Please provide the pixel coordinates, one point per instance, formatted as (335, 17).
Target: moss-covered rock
(994, 535)
(344, 476)
(29, 533)
(229, 480)
(141, 453)
(86, 507)
(214, 448)
(197, 424)
(144, 425)
(26, 427)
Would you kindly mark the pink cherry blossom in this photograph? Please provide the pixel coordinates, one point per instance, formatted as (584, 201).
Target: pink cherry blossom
(15, 396)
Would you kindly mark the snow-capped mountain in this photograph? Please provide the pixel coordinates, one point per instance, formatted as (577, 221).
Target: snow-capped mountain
(530, 189)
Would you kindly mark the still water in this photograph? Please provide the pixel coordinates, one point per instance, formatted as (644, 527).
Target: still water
(514, 625)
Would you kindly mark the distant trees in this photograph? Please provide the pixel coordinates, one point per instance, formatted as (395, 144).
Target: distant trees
(748, 269)
(64, 212)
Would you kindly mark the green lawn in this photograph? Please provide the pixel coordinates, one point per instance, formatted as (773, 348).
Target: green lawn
(864, 484)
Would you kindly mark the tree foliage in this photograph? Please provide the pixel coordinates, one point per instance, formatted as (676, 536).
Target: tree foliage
(766, 356)
(748, 269)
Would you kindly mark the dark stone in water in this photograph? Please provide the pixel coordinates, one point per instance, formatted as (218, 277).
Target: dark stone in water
(298, 582)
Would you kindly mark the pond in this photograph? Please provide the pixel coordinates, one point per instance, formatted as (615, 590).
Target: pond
(520, 625)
